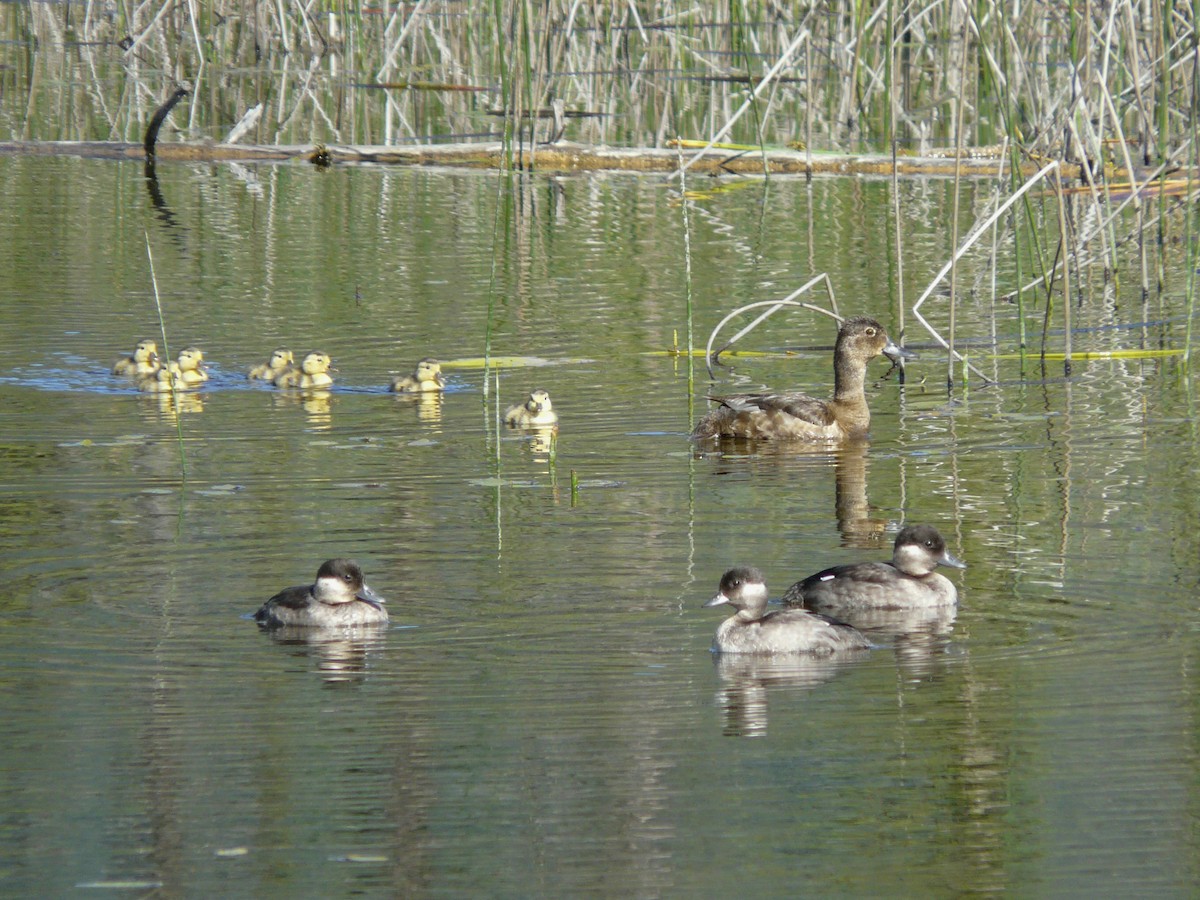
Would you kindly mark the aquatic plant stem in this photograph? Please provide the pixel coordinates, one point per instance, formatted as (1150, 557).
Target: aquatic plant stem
(162, 327)
(975, 234)
(687, 291)
(783, 60)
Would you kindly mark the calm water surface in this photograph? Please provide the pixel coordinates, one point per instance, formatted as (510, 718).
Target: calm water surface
(543, 718)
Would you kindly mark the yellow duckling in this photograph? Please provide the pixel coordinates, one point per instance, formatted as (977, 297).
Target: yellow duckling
(536, 412)
(313, 373)
(190, 366)
(281, 360)
(168, 378)
(426, 377)
(143, 363)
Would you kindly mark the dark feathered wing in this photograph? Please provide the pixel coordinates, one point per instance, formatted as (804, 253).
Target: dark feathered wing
(291, 598)
(800, 406)
(813, 588)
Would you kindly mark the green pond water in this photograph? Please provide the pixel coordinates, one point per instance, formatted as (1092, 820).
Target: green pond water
(544, 717)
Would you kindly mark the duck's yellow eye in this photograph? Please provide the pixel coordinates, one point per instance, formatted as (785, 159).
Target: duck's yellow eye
(870, 332)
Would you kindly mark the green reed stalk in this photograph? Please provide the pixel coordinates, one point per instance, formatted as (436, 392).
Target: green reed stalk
(162, 327)
(742, 54)
(1068, 258)
(1189, 214)
(687, 292)
(506, 85)
(960, 118)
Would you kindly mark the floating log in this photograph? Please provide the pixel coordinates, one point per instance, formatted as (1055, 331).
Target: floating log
(563, 157)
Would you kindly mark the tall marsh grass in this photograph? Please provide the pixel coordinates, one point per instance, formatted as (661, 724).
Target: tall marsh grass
(1076, 81)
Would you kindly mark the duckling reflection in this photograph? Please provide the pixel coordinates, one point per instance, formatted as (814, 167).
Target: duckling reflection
(791, 415)
(173, 404)
(536, 412)
(143, 363)
(316, 405)
(340, 596)
(340, 654)
(426, 377)
(751, 629)
(281, 361)
(540, 441)
(429, 405)
(313, 373)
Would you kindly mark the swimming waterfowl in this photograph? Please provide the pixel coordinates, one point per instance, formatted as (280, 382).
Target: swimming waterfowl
(791, 415)
(907, 582)
(536, 412)
(190, 366)
(339, 596)
(426, 377)
(184, 374)
(166, 379)
(144, 361)
(313, 373)
(281, 360)
(751, 629)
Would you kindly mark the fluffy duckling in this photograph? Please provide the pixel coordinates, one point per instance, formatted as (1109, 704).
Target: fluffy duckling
(339, 596)
(143, 363)
(907, 582)
(536, 412)
(190, 366)
(426, 377)
(185, 373)
(313, 373)
(791, 415)
(751, 629)
(281, 360)
(167, 379)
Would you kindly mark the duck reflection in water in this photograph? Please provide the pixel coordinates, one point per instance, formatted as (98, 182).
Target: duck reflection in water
(173, 404)
(340, 654)
(857, 523)
(317, 406)
(746, 679)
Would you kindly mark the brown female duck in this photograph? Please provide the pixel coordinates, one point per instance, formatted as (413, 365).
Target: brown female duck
(791, 415)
